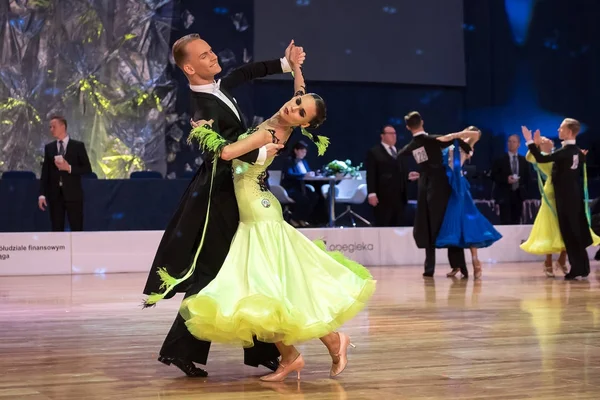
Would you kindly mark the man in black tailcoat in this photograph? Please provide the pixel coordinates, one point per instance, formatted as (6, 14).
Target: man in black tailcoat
(210, 100)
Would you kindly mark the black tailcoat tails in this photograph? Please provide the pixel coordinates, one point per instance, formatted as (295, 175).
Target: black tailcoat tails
(433, 194)
(183, 234)
(570, 205)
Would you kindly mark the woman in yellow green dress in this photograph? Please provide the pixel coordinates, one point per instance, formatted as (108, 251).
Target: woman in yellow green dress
(545, 238)
(275, 285)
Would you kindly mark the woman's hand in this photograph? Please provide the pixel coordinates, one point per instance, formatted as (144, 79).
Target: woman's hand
(201, 122)
(413, 176)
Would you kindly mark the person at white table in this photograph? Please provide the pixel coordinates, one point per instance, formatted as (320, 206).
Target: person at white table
(294, 171)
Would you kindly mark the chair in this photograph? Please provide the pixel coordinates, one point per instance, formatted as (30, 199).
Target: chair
(145, 175)
(284, 199)
(187, 175)
(274, 177)
(23, 175)
(349, 191)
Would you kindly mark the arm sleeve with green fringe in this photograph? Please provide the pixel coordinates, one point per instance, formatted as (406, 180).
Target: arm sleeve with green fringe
(210, 111)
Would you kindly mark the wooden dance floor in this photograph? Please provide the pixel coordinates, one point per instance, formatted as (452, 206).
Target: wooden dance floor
(513, 335)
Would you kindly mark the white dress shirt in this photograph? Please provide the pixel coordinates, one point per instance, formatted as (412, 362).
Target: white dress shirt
(214, 88)
(388, 148)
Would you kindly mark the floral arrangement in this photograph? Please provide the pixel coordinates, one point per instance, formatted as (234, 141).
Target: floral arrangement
(342, 168)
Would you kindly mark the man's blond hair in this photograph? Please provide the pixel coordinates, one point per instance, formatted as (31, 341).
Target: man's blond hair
(573, 125)
(179, 48)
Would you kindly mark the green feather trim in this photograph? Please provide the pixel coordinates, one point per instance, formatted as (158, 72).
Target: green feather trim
(207, 138)
(307, 134)
(166, 279)
(322, 143)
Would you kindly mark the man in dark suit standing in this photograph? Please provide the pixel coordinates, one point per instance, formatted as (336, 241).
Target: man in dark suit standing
(65, 161)
(567, 172)
(511, 175)
(387, 178)
(203, 219)
(294, 171)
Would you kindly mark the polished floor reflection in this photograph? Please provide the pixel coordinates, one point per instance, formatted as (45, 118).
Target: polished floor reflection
(513, 335)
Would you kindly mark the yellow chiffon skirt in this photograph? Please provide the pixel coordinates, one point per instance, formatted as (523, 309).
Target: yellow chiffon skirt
(545, 237)
(277, 285)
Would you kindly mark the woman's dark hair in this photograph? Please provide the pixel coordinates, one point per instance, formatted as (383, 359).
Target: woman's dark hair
(300, 145)
(321, 112)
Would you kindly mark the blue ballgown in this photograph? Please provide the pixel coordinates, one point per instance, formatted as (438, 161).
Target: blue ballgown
(464, 226)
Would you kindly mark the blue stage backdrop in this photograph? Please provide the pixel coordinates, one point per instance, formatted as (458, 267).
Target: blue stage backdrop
(527, 62)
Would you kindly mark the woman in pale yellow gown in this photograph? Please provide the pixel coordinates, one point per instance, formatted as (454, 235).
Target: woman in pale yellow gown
(275, 284)
(545, 238)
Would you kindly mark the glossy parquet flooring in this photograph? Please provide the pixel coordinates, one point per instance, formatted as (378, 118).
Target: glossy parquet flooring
(513, 335)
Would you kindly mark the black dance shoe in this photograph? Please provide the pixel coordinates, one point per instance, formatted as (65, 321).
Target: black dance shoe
(187, 367)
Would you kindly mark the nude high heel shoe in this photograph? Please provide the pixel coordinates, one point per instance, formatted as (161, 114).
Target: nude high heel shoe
(284, 370)
(339, 366)
(561, 267)
(549, 271)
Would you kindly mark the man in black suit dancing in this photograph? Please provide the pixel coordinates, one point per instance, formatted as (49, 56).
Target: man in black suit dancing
(65, 161)
(210, 100)
(568, 188)
(433, 193)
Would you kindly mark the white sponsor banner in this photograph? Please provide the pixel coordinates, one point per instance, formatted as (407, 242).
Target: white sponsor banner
(508, 248)
(46, 253)
(398, 247)
(54, 253)
(358, 244)
(110, 252)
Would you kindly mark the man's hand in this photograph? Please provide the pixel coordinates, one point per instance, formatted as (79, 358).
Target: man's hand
(297, 57)
(201, 122)
(527, 135)
(413, 175)
(62, 165)
(272, 149)
(42, 203)
(373, 200)
(512, 179)
(537, 137)
(288, 52)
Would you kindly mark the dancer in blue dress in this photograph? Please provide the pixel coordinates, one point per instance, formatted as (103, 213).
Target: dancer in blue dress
(464, 226)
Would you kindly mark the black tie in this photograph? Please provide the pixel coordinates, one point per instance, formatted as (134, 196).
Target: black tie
(394, 152)
(515, 170)
(61, 148)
